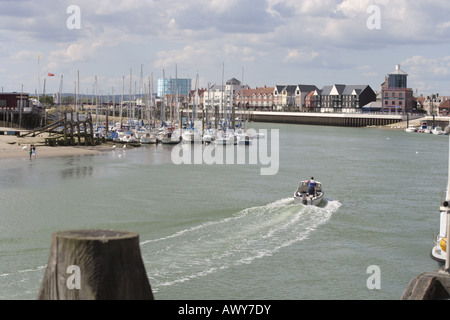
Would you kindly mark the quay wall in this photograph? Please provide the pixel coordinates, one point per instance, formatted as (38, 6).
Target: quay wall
(326, 119)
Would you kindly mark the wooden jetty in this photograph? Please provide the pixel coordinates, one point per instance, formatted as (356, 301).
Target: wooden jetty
(69, 131)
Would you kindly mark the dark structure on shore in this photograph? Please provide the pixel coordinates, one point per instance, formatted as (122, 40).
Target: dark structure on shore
(18, 110)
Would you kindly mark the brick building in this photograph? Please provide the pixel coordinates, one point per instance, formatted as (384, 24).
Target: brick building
(395, 94)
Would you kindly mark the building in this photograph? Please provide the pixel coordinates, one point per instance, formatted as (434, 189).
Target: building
(15, 101)
(341, 98)
(284, 97)
(301, 92)
(395, 94)
(223, 96)
(444, 108)
(259, 98)
(432, 103)
(169, 87)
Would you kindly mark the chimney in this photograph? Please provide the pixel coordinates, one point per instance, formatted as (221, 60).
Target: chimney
(397, 67)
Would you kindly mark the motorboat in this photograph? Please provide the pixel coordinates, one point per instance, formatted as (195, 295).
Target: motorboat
(302, 195)
(437, 130)
(411, 129)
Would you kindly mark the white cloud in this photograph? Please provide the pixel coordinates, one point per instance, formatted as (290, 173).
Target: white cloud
(274, 35)
(295, 55)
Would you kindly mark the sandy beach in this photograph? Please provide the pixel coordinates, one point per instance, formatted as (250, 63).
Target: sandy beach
(13, 147)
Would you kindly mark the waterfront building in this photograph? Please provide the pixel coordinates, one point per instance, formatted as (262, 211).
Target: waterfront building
(259, 98)
(222, 96)
(395, 94)
(292, 97)
(444, 108)
(285, 97)
(301, 92)
(431, 104)
(168, 86)
(15, 101)
(341, 98)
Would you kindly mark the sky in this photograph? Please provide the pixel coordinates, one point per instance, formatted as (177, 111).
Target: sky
(262, 42)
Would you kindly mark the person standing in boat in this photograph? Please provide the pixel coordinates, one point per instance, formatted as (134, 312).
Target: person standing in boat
(312, 187)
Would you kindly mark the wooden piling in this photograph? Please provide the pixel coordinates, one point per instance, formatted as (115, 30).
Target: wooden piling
(109, 266)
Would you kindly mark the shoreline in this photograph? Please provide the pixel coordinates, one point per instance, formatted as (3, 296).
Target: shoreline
(11, 146)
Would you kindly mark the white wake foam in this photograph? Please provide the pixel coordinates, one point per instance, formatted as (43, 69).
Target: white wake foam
(250, 234)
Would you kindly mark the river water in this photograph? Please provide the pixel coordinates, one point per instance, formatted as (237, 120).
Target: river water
(226, 231)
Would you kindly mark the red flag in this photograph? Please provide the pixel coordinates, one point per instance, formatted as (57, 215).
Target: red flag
(51, 74)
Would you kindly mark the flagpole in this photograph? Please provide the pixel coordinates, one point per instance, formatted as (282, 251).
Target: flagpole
(38, 79)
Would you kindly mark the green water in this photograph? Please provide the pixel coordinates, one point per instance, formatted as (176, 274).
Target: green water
(228, 232)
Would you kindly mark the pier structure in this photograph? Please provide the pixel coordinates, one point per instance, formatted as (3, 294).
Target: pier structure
(70, 131)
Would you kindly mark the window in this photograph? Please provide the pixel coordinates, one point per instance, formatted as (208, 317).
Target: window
(393, 94)
(400, 95)
(386, 94)
(2, 103)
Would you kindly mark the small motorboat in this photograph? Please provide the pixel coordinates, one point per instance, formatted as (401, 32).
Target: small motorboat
(302, 195)
(411, 129)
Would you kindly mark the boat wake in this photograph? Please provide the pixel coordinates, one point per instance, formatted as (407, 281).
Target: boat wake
(250, 234)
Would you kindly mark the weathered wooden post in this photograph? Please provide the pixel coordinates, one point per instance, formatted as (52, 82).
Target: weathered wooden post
(95, 265)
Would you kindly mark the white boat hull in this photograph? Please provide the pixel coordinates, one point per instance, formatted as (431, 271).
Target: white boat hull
(308, 200)
(301, 194)
(438, 254)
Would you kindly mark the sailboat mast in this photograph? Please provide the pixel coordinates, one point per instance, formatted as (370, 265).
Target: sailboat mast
(129, 96)
(223, 91)
(121, 102)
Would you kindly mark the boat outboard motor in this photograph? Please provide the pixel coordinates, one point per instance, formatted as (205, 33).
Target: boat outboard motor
(304, 198)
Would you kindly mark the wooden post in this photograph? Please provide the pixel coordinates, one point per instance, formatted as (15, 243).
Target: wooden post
(78, 129)
(95, 265)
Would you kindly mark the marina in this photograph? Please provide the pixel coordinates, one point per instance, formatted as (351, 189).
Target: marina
(228, 232)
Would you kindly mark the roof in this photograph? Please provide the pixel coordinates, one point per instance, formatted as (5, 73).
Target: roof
(262, 91)
(233, 81)
(306, 87)
(445, 104)
(373, 105)
(342, 89)
(398, 71)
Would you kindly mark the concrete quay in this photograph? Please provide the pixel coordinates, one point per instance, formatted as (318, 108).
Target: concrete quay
(326, 119)
(394, 121)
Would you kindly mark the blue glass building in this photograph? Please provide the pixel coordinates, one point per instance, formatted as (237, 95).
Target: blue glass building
(169, 86)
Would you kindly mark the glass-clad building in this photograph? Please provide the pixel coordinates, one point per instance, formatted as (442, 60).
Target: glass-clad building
(169, 86)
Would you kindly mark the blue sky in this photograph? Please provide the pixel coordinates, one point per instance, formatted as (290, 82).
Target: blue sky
(267, 42)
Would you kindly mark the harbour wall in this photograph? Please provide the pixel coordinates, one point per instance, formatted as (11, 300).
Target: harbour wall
(327, 119)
